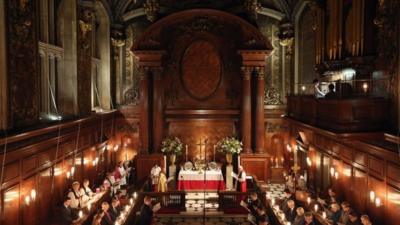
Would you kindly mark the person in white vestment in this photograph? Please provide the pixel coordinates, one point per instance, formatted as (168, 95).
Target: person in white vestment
(75, 195)
(86, 191)
(155, 173)
(111, 183)
(122, 173)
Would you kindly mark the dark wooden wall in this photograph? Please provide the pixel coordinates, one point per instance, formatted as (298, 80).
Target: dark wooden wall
(33, 162)
(363, 166)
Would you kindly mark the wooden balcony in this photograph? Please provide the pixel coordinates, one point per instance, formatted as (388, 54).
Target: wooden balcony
(340, 115)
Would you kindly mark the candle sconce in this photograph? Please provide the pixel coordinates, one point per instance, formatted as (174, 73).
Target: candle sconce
(374, 199)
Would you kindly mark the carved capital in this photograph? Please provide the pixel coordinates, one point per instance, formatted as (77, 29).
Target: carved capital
(246, 72)
(259, 72)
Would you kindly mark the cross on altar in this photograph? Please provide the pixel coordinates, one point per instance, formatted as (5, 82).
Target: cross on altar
(201, 145)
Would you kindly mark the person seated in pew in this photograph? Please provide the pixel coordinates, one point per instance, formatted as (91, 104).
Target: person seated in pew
(365, 220)
(331, 198)
(75, 195)
(288, 196)
(309, 219)
(262, 217)
(146, 212)
(67, 216)
(290, 213)
(97, 218)
(331, 92)
(253, 203)
(335, 213)
(107, 218)
(353, 219)
(86, 192)
(115, 208)
(345, 213)
(299, 220)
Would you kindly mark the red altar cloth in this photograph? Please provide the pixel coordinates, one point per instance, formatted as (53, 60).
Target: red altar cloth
(209, 185)
(193, 180)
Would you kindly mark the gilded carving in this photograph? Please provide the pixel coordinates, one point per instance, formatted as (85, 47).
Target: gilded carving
(272, 97)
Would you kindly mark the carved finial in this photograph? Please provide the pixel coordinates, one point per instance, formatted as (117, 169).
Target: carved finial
(252, 7)
(286, 36)
(151, 8)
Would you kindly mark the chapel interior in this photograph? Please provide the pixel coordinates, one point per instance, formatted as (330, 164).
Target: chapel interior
(279, 112)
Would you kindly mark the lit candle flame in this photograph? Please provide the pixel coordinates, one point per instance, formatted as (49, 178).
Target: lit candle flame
(33, 194)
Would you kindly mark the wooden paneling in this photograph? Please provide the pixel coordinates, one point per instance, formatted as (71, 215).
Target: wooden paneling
(362, 166)
(344, 115)
(144, 163)
(11, 206)
(256, 165)
(31, 165)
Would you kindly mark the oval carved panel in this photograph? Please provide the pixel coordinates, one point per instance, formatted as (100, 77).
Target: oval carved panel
(201, 69)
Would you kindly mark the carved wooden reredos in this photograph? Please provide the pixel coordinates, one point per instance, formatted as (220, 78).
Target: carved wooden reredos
(191, 64)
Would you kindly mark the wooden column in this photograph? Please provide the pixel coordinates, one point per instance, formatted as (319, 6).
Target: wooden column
(157, 109)
(246, 109)
(259, 111)
(151, 115)
(144, 110)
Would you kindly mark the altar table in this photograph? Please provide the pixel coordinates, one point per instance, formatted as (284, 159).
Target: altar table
(210, 180)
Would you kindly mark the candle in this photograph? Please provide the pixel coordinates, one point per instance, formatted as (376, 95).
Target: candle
(273, 202)
(308, 200)
(33, 194)
(80, 214)
(378, 202)
(131, 201)
(126, 208)
(316, 208)
(324, 215)
(135, 195)
(68, 175)
(89, 206)
(372, 196)
(336, 175)
(332, 171)
(27, 200)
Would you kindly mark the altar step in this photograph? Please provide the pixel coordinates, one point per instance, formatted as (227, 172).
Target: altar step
(200, 220)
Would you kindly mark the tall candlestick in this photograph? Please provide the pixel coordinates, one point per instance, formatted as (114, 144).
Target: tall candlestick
(186, 153)
(214, 152)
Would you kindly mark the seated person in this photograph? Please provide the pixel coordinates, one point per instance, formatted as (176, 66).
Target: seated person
(115, 208)
(317, 91)
(290, 212)
(299, 220)
(146, 212)
(86, 192)
(97, 218)
(309, 219)
(365, 220)
(331, 93)
(107, 218)
(75, 195)
(261, 217)
(67, 215)
(345, 213)
(288, 196)
(332, 198)
(335, 214)
(253, 204)
(111, 183)
(353, 219)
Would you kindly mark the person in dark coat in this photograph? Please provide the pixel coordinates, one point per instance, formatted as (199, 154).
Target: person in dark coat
(353, 219)
(146, 212)
(299, 220)
(115, 208)
(107, 218)
(309, 219)
(331, 93)
(254, 203)
(67, 215)
(288, 196)
(290, 213)
(262, 217)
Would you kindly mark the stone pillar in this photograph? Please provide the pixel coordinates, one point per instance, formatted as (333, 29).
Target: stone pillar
(259, 111)
(157, 109)
(246, 109)
(144, 110)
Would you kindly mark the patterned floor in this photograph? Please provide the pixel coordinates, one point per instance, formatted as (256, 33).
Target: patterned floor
(275, 191)
(195, 202)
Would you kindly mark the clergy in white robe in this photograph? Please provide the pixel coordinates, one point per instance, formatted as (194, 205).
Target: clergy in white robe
(155, 173)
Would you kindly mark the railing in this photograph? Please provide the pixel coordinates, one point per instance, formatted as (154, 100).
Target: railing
(171, 199)
(349, 88)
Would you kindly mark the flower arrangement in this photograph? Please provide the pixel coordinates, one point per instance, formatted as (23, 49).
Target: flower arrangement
(172, 146)
(229, 145)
